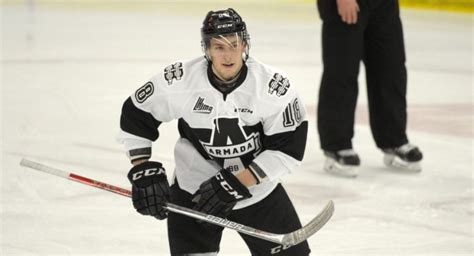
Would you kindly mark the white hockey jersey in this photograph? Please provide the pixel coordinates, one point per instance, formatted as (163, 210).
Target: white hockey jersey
(261, 122)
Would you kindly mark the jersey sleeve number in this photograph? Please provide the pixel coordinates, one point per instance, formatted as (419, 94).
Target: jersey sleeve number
(292, 114)
(144, 92)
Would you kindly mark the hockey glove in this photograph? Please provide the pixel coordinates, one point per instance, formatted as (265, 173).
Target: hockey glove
(219, 194)
(150, 189)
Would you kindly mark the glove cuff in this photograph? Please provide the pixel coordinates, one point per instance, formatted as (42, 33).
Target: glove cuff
(232, 185)
(146, 173)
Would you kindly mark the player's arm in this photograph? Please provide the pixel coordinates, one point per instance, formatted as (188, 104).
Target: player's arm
(284, 142)
(142, 113)
(138, 129)
(246, 177)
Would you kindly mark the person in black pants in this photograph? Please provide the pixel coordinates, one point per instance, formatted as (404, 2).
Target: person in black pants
(371, 31)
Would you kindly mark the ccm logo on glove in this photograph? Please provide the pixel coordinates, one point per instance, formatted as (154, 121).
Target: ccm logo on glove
(148, 172)
(227, 187)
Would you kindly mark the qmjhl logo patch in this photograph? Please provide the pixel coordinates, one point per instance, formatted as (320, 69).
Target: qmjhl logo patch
(201, 107)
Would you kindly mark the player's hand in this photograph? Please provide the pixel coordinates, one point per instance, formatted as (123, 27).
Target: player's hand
(348, 10)
(150, 189)
(219, 194)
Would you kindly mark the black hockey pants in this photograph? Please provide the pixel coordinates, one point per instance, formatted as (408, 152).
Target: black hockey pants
(377, 40)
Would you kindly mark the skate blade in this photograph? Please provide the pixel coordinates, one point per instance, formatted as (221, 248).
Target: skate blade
(332, 167)
(398, 164)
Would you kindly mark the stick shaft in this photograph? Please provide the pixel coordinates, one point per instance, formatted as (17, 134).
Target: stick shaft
(291, 238)
(171, 207)
(75, 177)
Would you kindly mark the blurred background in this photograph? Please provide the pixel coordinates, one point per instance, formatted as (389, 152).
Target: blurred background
(67, 66)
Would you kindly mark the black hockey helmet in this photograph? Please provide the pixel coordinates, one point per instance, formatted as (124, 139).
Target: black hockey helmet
(221, 23)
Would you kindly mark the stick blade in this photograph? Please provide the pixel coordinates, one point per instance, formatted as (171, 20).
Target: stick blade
(312, 227)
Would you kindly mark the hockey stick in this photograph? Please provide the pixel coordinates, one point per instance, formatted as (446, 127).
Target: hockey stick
(287, 239)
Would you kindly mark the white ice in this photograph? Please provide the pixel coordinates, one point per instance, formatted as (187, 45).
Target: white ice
(67, 67)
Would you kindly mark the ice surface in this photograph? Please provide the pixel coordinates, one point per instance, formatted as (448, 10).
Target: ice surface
(67, 67)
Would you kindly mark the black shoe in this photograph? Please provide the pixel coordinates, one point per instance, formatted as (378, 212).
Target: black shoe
(342, 162)
(407, 157)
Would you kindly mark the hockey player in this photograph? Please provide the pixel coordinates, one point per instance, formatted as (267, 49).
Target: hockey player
(368, 30)
(242, 126)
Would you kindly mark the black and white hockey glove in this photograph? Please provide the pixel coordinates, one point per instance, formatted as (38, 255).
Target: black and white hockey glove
(150, 189)
(219, 194)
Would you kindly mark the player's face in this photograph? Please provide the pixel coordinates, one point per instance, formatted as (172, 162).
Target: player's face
(226, 55)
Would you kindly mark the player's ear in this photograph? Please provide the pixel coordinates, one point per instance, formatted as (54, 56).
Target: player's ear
(243, 46)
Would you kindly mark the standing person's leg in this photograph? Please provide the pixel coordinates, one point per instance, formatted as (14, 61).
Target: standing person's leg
(342, 46)
(187, 236)
(387, 81)
(341, 52)
(274, 214)
(386, 75)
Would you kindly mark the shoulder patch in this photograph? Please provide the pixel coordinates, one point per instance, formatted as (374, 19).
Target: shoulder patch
(174, 71)
(144, 92)
(278, 85)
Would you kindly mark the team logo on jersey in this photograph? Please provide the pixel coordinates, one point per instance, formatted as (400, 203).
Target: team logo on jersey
(229, 142)
(144, 92)
(201, 107)
(174, 71)
(278, 85)
(292, 114)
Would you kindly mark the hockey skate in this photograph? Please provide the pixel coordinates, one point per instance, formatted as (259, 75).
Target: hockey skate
(343, 162)
(406, 157)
